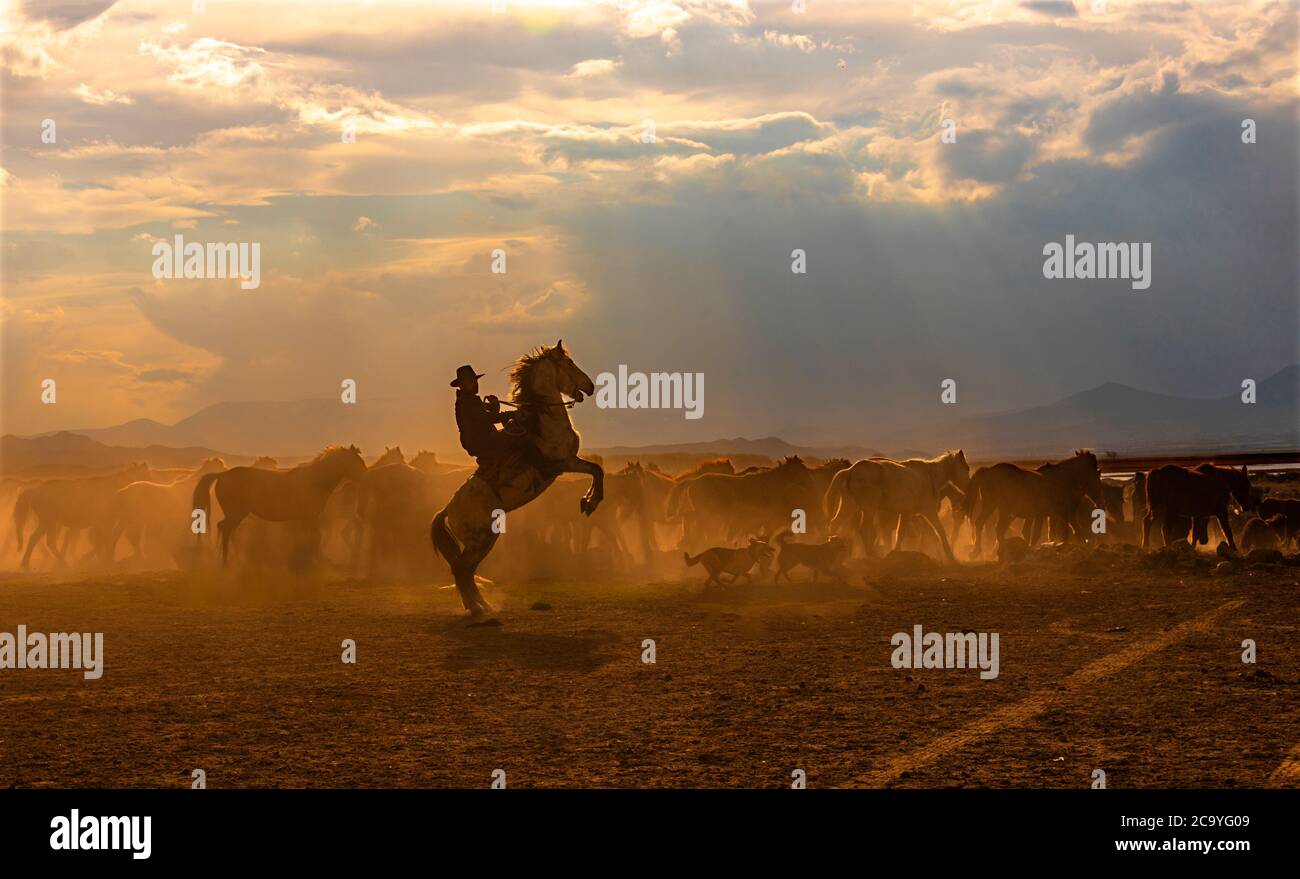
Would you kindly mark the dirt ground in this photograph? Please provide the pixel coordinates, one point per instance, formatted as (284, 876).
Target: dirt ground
(243, 678)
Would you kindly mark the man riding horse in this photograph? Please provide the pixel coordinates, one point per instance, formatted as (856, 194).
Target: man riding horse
(515, 465)
(477, 418)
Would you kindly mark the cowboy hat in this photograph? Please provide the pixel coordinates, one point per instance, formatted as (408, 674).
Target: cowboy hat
(465, 372)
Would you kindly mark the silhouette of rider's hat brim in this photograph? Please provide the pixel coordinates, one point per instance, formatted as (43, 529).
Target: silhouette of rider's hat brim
(464, 373)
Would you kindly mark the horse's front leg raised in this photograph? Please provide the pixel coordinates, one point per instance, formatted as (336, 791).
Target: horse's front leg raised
(596, 493)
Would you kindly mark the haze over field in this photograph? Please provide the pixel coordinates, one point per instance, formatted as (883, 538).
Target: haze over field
(1112, 417)
(773, 131)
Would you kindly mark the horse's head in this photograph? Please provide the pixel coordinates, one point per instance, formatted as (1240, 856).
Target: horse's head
(355, 465)
(565, 376)
(1239, 484)
(343, 461)
(958, 470)
(1091, 475)
(794, 469)
(391, 455)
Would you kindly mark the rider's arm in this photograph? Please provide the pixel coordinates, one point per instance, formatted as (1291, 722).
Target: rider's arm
(492, 406)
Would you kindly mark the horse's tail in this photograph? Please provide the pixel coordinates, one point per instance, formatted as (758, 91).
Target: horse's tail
(691, 561)
(836, 495)
(21, 506)
(201, 499)
(443, 541)
(972, 497)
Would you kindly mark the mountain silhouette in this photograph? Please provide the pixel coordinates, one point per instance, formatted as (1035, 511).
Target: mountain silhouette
(1111, 416)
(1123, 419)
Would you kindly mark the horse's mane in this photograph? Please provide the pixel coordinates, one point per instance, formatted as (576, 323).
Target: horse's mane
(951, 453)
(332, 450)
(703, 466)
(523, 366)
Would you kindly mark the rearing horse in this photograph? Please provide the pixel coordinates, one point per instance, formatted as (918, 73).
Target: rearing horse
(462, 532)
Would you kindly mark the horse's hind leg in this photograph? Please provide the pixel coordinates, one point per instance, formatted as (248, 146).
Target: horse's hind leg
(41, 531)
(933, 518)
(476, 549)
(898, 531)
(227, 528)
(1171, 528)
(1033, 530)
(1222, 516)
(465, 561)
(977, 524)
(136, 536)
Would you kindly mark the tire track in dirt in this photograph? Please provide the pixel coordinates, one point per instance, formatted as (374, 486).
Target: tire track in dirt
(1287, 775)
(1018, 713)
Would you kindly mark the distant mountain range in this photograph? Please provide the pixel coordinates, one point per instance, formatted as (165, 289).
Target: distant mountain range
(288, 429)
(1111, 417)
(1119, 418)
(65, 452)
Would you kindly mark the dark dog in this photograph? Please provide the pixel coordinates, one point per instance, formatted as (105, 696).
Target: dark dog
(1272, 507)
(823, 558)
(1264, 533)
(736, 562)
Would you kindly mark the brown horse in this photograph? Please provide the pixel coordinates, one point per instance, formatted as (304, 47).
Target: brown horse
(297, 495)
(463, 531)
(678, 484)
(1176, 495)
(717, 504)
(1053, 491)
(74, 504)
(393, 502)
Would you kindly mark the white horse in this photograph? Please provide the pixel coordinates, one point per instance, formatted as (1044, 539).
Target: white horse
(462, 531)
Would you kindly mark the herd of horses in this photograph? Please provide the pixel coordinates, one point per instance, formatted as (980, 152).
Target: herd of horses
(378, 515)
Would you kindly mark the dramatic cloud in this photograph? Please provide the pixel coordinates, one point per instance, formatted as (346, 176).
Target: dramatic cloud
(647, 168)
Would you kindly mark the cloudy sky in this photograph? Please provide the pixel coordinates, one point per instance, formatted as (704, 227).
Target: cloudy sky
(522, 129)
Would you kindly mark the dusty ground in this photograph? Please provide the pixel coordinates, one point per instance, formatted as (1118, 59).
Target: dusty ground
(244, 680)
